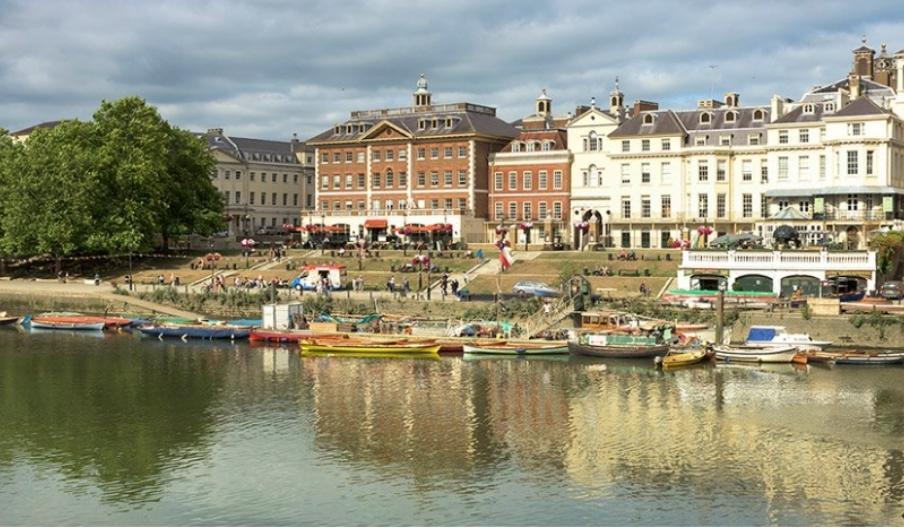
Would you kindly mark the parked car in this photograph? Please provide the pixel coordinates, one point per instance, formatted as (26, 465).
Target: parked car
(534, 289)
(892, 291)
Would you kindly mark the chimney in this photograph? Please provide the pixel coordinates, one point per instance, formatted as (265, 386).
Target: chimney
(214, 131)
(854, 85)
(732, 99)
(708, 104)
(777, 108)
(644, 106)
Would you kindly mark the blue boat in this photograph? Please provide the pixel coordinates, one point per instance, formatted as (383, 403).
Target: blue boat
(185, 332)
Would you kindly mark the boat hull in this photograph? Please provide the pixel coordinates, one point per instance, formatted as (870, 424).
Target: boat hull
(363, 349)
(844, 358)
(287, 336)
(512, 349)
(54, 325)
(683, 359)
(618, 351)
(756, 354)
(195, 332)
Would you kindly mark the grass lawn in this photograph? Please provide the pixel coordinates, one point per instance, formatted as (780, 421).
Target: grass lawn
(623, 286)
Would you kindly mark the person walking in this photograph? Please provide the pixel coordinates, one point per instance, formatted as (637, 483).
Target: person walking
(444, 284)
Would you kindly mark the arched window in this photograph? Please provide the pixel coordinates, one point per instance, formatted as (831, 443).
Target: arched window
(648, 119)
(516, 146)
(705, 117)
(731, 117)
(594, 176)
(757, 115)
(808, 108)
(547, 145)
(594, 145)
(538, 146)
(530, 146)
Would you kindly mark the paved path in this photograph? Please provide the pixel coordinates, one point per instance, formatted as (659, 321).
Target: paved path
(490, 266)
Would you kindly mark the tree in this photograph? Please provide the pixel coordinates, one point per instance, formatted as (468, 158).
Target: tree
(887, 247)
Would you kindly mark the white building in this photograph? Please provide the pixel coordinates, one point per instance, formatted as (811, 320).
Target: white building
(830, 164)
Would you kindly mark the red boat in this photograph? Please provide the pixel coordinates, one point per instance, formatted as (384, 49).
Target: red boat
(286, 336)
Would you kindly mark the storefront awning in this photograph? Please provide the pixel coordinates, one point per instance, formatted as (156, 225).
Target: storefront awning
(376, 223)
(831, 191)
(439, 228)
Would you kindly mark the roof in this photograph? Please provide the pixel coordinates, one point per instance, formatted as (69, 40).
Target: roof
(789, 213)
(29, 130)
(860, 107)
(558, 137)
(665, 122)
(466, 119)
(798, 115)
(254, 150)
(866, 85)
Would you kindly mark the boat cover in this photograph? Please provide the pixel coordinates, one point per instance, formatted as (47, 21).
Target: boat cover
(759, 333)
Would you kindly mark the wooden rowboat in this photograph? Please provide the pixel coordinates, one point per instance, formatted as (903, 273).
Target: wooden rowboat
(683, 358)
(185, 332)
(53, 325)
(310, 347)
(288, 336)
(756, 353)
(456, 346)
(517, 349)
(857, 358)
(617, 350)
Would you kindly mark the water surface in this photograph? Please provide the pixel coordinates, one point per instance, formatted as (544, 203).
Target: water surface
(123, 430)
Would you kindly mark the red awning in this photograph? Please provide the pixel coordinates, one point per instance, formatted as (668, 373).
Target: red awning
(439, 228)
(376, 223)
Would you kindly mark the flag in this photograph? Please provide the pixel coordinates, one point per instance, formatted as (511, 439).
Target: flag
(506, 258)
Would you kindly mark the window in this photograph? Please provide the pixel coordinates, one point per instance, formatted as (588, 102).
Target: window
(782, 168)
(403, 179)
(782, 137)
(251, 176)
(626, 146)
(645, 145)
(541, 210)
(362, 181)
(557, 210)
(720, 170)
(447, 152)
(263, 198)
(349, 181)
(238, 175)
(528, 180)
(644, 173)
(462, 178)
(648, 119)
(703, 205)
(273, 198)
(295, 199)
(557, 180)
(747, 170)
(758, 115)
(822, 166)
(421, 153)
(764, 173)
(375, 155)
(434, 153)
(645, 207)
(855, 129)
(753, 139)
(226, 175)
(251, 198)
(725, 141)
(700, 141)
(498, 212)
(853, 203)
(375, 180)
(513, 210)
(462, 152)
(869, 162)
(294, 178)
(337, 157)
(702, 171)
(828, 107)
(666, 144)
(513, 181)
(626, 207)
(273, 177)
(804, 135)
(422, 179)
(497, 181)
(434, 204)
(803, 167)
(852, 163)
(595, 143)
(285, 199)
(325, 183)
(447, 178)
(764, 207)
(528, 213)
(666, 206)
(349, 156)
(337, 182)
(720, 205)
(665, 169)
(434, 178)
(705, 117)
(390, 179)
(389, 155)
(747, 205)
(403, 154)
(625, 173)
(541, 180)
(325, 157)
(447, 203)
(804, 206)
(360, 157)
(730, 117)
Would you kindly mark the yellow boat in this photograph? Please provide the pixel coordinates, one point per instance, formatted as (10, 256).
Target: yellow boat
(683, 359)
(368, 349)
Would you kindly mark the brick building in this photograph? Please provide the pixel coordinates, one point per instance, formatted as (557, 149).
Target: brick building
(531, 181)
(411, 170)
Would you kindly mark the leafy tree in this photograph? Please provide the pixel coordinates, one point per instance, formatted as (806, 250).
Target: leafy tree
(887, 247)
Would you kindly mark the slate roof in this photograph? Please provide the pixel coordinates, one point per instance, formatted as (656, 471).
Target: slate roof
(798, 115)
(866, 86)
(29, 130)
(664, 122)
(668, 122)
(860, 107)
(559, 138)
(466, 119)
(255, 150)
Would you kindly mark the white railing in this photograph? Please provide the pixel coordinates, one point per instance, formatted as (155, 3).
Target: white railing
(316, 215)
(799, 260)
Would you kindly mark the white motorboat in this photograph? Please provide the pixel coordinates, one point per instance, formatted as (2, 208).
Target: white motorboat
(756, 353)
(778, 335)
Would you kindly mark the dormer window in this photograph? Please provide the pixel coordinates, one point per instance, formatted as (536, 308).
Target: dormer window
(758, 115)
(337, 130)
(421, 124)
(547, 145)
(828, 107)
(808, 108)
(516, 146)
(530, 146)
(433, 124)
(731, 117)
(705, 117)
(700, 141)
(449, 122)
(648, 119)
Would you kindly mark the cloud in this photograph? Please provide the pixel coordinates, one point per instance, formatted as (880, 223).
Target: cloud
(273, 67)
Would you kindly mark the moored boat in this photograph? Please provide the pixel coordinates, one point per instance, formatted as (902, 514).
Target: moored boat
(360, 347)
(778, 335)
(195, 331)
(6, 319)
(681, 358)
(454, 346)
(617, 346)
(287, 336)
(62, 325)
(756, 353)
(857, 358)
(517, 349)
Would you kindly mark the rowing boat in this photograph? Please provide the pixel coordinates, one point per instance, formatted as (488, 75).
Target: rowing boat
(195, 331)
(675, 359)
(62, 321)
(315, 346)
(857, 358)
(756, 353)
(288, 336)
(456, 345)
(54, 325)
(517, 349)
(5, 319)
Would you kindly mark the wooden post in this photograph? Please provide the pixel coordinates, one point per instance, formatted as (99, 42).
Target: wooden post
(720, 316)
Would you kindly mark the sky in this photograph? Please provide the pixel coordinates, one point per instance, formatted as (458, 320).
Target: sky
(271, 68)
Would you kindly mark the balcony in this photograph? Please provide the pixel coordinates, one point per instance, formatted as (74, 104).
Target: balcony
(390, 212)
(797, 260)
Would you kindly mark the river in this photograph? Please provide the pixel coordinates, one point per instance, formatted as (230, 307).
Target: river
(120, 430)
